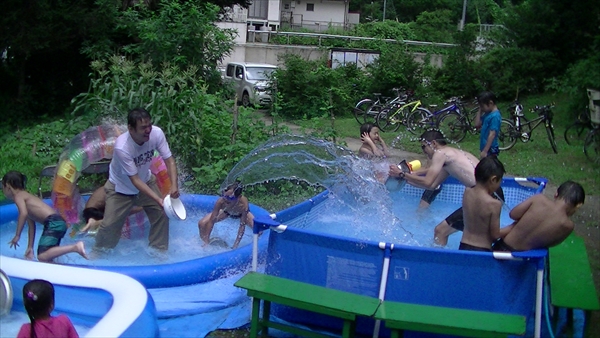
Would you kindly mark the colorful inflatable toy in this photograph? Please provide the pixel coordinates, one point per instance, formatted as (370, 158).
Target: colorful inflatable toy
(93, 145)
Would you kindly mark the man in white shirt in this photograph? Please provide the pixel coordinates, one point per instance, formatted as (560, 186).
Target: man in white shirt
(130, 182)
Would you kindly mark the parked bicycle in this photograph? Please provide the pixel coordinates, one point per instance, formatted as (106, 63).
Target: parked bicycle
(393, 116)
(366, 110)
(576, 133)
(518, 127)
(591, 146)
(456, 124)
(423, 119)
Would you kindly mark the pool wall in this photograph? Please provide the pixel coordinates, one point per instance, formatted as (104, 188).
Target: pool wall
(112, 304)
(429, 276)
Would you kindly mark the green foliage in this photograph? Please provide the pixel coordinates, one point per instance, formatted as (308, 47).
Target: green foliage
(510, 69)
(309, 88)
(461, 73)
(385, 30)
(198, 124)
(435, 26)
(394, 68)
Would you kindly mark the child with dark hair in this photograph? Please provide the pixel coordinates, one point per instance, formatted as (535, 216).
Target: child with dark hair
(38, 299)
(93, 212)
(481, 211)
(541, 222)
(489, 118)
(32, 209)
(230, 204)
(372, 144)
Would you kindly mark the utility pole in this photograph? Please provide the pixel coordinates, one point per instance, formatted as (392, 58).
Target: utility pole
(464, 14)
(384, 6)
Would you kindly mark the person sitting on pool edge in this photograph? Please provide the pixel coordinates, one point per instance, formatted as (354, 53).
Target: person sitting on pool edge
(541, 222)
(481, 211)
(230, 204)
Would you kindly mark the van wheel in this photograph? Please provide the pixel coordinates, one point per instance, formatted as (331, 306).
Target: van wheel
(245, 99)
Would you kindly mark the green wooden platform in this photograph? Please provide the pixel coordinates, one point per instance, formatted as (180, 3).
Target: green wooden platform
(340, 304)
(571, 281)
(434, 319)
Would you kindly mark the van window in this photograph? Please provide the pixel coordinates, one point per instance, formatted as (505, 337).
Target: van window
(230, 70)
(239, 71)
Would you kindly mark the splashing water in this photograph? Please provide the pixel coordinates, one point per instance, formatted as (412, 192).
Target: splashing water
(351, 181)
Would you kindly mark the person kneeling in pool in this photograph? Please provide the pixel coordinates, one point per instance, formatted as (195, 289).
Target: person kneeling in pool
(93, 213)
(32, 209)
(541, 222)
(230, 204)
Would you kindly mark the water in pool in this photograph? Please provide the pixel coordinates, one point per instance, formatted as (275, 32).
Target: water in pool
(185, 243)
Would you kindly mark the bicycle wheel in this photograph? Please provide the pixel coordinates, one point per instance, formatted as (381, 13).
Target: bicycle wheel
(591, 147)
(507, 137)
(575, 134)
(471, 121)
(389, 121)
(550, 132)
(453, 126)
(362, 110)
(419, 121)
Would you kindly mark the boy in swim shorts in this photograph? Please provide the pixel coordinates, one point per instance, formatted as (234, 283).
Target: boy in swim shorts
(481, 211)
(541, 222)
(32, 209)
(230, 204)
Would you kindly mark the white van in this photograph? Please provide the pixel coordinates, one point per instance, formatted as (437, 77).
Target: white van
(250, 81)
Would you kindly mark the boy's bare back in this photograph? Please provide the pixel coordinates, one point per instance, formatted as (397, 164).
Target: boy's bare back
(539, 222)
(481, 214)
(37, 210)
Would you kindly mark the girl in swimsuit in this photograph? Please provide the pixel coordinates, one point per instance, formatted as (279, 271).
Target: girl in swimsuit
(230, 204)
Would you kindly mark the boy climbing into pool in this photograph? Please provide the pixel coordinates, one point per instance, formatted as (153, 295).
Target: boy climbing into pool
(32, 209)
(481, 211)
(541, 222)
(230, 204)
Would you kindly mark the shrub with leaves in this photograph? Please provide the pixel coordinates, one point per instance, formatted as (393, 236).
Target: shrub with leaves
(198, 125)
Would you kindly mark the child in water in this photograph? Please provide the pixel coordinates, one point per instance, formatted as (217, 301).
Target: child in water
(481, 211)
(32, 209)
(372, 144)
(38, 299)
(230, 204)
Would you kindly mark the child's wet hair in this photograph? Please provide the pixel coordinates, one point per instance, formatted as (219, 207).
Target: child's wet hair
(433, 135)
(366, 128)
(14, 179)
(237, 187)
(571, 192)
(38, 299)
(486, 168)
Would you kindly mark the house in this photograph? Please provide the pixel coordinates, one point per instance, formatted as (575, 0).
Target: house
(316, 15)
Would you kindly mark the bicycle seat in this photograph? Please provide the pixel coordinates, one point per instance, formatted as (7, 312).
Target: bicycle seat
(432, 105)
(377, 94)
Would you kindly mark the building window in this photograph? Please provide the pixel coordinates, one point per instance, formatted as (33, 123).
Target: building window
(286, 6)
(310, 7)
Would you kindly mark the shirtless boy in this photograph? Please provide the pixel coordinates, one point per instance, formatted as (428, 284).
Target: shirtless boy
(481, 211)
(541, 222)
(230, 204)
(444, 161)
(32, 209)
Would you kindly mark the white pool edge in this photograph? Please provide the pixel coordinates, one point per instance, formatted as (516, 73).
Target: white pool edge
(129, 296)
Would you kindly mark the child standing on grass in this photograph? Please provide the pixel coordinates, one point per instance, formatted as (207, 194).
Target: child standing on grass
(488, 118)
(32, 209)
(481, 211)
(38, 299)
